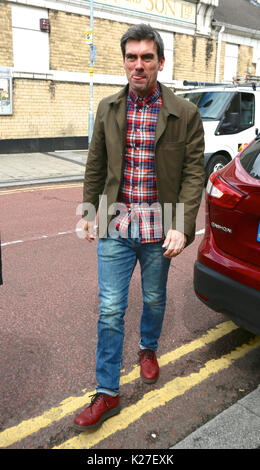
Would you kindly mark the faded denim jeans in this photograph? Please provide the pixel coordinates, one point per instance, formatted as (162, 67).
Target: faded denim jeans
(117, 258)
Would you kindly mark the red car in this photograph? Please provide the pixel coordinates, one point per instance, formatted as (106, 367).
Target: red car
(227, 269)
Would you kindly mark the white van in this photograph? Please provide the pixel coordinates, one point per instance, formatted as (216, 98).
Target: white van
(231, 118)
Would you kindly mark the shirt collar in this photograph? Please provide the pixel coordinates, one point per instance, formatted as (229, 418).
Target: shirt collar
(146, 100)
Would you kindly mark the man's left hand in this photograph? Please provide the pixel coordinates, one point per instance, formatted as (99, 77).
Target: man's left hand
(174, 243)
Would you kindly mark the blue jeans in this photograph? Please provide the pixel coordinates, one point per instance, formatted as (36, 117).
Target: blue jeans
(117, 258)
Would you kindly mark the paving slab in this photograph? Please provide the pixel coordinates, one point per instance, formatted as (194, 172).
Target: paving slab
(32, 168)
(238, 427)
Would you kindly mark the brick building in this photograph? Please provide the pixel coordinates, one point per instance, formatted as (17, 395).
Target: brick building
(45, 69)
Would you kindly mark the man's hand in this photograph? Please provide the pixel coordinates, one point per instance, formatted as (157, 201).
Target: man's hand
(174, 243)
(90, 230)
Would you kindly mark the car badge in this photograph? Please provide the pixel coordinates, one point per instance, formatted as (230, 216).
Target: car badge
(221, 227)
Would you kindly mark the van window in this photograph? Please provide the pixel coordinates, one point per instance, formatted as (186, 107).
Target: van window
(247, 118)
(250, 159)
(210, 103)
(243, 106)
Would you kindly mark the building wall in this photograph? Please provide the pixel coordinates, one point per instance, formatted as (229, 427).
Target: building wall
(6, 44)
(68, 50)
(195, 58)
(48, 108)
(245, 61)
(44, 108)
(56, 104)
(222, 62)
(109, 57)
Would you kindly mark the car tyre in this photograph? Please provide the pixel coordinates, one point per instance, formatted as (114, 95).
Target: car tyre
(217, 162)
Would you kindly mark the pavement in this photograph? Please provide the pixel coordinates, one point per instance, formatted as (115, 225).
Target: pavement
(238, 426)
(18, 169)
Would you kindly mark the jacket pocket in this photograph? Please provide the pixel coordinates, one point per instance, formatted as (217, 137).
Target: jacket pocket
(172, 153)
(173, 145)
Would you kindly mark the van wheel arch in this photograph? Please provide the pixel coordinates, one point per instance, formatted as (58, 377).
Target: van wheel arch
(216, 162)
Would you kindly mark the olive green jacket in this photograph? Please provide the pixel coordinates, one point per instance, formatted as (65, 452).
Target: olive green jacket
(179, 158)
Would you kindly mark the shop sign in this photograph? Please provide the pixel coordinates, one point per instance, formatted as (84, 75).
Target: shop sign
(171, 9)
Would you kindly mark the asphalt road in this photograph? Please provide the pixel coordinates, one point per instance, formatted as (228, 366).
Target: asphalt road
(49, 310)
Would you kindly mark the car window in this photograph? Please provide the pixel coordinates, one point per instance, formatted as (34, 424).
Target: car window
(244, 105)
(250, 159)
(247, 117)
(210, 103)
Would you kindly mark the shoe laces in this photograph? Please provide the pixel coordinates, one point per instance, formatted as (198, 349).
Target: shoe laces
(95, 398)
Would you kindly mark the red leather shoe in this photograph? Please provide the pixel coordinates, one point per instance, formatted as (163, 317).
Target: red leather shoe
(102, 406)
(149, 366)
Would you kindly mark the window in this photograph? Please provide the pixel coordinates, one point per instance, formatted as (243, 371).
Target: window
(230, 66)
(210, 103)
(250, 159)
(167, 73)
(240, 114)
(30, 45)
(258, 66)
(247, 118)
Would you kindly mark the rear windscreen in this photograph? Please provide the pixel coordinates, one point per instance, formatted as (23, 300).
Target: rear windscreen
(250, 159)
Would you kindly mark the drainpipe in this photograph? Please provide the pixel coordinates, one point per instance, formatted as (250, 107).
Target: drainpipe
(219, 52)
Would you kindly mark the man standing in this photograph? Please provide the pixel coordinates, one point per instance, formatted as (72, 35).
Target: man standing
(146, 154)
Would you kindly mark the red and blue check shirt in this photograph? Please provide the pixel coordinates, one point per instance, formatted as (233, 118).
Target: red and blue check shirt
(138, 192)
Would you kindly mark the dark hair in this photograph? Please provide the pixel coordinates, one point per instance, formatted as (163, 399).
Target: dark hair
(142, 31)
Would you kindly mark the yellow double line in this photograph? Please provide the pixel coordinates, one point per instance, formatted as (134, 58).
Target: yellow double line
(151, 400)
(156, 398)
(30, 189)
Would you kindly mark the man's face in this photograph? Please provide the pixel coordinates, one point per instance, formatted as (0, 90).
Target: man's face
(142, 65)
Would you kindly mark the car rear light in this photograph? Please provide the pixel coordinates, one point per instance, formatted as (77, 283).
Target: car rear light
(221, 193)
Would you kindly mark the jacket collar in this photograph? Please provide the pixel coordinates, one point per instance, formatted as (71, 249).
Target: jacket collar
(170, 106)
(118, 101)
(118, 97)
(170, 103)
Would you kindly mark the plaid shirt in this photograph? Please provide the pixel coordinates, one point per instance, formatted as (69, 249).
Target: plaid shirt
(138, 192)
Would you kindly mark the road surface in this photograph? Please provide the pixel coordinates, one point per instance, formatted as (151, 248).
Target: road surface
(49, 311)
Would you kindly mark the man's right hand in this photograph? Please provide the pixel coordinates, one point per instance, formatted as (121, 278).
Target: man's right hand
(90, 230)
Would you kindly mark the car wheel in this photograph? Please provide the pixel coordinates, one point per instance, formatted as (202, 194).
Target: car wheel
(216, 163)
